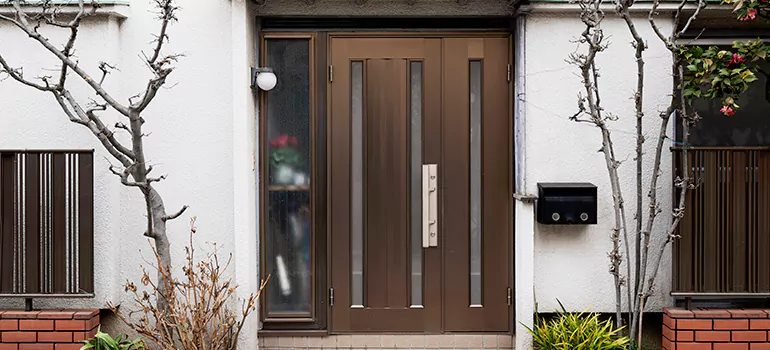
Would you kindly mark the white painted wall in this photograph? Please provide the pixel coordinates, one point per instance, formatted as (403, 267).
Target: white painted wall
(202, 134)
(203, 137)
(571, 263)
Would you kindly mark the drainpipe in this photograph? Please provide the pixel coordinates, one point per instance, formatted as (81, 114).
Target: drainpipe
(524, 212)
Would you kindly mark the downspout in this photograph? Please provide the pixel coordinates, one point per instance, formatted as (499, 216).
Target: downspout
(524, 212)
(520, 110)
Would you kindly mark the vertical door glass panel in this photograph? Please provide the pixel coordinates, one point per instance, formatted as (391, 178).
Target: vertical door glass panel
(415, 82)
(288, 179)
(357, 186)
(475, 178)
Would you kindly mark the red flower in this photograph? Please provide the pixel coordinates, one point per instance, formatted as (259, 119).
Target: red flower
(751, 14)
(737, 59)
(727, 110)
(283, 141)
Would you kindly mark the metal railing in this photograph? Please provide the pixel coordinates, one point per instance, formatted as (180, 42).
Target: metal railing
(724, 249)
(46, 223)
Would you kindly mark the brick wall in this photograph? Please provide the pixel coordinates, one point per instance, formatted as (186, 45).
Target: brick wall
(47, 330)
(716, 329)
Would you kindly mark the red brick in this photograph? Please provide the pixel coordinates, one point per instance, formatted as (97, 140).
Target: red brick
(685, 336)
(36, 325)
(731, 346)
(757, 346)
(693, 324)
(9, 325)
(19, 337)
(86, 314)
(669, 333)
(706, 313)
(56, 315)
(54, 337)
(749, 336)
(748, 313)
(678, 313)
(74, 346)
(20, 314)
(712, 336)
(35, 346)
(670, 322)
(81, 336)
(731, 324)
(668, 345)
(70, 325)
(693, 346)
(759, 324)
(93, 322)
(9, 346)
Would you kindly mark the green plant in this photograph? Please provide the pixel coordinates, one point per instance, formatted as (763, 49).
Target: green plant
(285, 156)
(103, 341)
(576, 331)
(283, 151)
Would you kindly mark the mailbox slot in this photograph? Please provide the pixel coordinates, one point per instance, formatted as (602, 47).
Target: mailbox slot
(566, 203)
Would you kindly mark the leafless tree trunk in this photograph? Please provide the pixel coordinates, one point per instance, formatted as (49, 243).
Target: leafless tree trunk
(133, 169)
(641, 287)
(688, 117)
(591, 111)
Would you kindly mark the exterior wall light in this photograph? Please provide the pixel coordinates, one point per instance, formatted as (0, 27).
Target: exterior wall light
(264, 78)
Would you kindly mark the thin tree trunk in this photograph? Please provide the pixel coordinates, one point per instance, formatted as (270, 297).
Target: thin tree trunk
(635, 284)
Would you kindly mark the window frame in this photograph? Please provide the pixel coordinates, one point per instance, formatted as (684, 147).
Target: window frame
(315, 321)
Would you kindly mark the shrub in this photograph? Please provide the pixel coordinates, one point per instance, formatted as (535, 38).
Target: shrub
(103, 341)
(201, 311)
(576, 331)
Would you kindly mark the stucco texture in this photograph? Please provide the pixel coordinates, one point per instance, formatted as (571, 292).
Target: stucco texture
(571, 262)
(200, 132)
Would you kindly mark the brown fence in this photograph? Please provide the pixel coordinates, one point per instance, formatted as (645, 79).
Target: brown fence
(725, 233)
(46, 223)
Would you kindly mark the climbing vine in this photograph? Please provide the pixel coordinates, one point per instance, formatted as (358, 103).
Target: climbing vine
(724, 74)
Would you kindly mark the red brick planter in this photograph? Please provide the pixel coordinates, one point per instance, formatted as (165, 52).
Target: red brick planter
(716, 329)
(47, 330)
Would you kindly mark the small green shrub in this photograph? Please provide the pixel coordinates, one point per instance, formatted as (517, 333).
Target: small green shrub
(103, 341)
(576, 331)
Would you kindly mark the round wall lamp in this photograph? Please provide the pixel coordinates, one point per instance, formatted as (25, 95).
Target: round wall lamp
(263, 78)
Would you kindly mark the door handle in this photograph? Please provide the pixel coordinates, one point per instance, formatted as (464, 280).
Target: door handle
(429, 205)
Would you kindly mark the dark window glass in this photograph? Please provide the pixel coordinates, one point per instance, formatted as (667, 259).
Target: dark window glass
(750, 126)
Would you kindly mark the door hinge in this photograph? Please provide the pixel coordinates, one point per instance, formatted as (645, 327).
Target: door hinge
(331, 73)
(509, 296)
(331, 296)
(509, 72)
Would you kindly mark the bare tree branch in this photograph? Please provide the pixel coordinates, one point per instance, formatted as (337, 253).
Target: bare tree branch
(18, 75)
(175, 215)
(160, 66)
(23, 24)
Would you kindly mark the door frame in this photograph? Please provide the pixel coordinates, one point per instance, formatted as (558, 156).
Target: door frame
(511, 180)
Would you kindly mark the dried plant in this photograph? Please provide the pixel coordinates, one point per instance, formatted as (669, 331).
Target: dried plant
(199, 313)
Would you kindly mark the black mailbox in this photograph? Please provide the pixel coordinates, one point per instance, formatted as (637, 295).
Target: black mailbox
(566, 203)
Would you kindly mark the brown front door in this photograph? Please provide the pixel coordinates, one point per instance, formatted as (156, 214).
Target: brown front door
(420, 208)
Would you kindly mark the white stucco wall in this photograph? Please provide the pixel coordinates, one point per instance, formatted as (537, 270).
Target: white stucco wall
(203, 136)
(570, 262)
(201, 130)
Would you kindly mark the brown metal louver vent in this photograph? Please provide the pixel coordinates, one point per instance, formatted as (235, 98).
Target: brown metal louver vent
(46, 223)
(725, 233)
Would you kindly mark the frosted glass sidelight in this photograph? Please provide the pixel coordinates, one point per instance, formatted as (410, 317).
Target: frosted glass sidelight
(356, 187)
(475, 178)
(415, 146)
